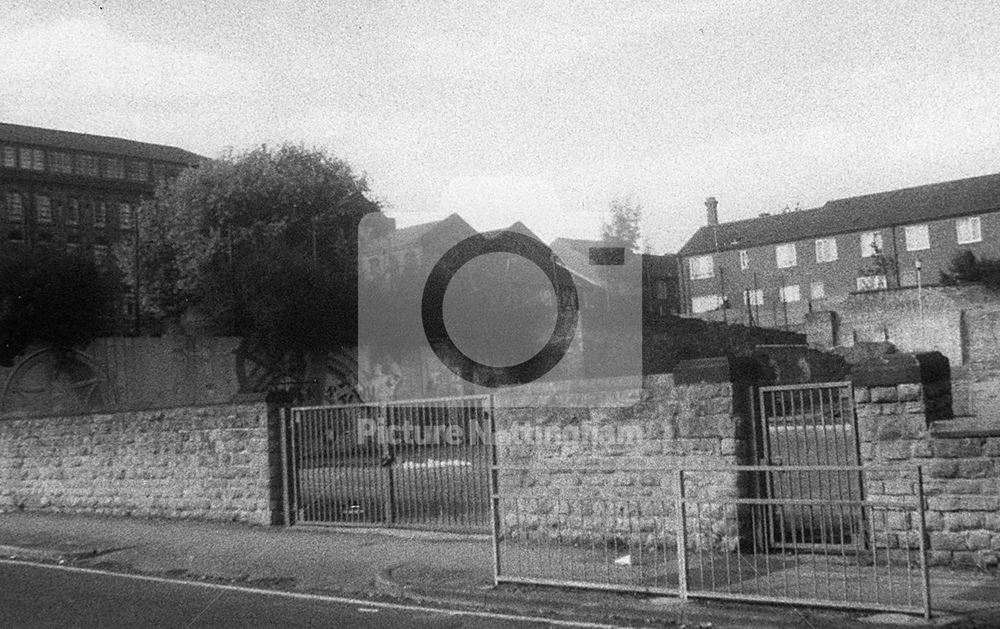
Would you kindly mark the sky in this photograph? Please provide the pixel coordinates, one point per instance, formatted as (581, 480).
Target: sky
(534, 111)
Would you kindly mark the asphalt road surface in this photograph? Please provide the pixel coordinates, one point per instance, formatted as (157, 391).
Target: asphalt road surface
(45, 596)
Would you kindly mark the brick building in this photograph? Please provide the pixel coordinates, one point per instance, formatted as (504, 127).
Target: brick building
(774, 269)
(75, 190)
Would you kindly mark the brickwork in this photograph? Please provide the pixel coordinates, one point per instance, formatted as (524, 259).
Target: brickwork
(198, 462)
(960, 475)
(623, 462)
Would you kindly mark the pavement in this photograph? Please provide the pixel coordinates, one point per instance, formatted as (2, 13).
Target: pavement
(433, 568)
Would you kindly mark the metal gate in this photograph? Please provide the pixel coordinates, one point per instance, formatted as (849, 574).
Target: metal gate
(810, 430)
(412, 463)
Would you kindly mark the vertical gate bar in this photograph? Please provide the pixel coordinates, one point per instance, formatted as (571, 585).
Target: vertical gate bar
(679, 508)
(296, 468)
(921, 531)
(329, 459)
(494, 498)
(285, 501)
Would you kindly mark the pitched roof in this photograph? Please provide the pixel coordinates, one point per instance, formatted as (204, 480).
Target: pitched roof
(410, 236)
(70, 140)
(867, 212)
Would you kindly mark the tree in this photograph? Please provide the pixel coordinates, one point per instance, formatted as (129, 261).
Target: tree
(967, 268)
(51, 298)
(622, 226)
(261, 245)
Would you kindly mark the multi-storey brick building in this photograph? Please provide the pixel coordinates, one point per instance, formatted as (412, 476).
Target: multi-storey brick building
(74, 190)
(773, 269)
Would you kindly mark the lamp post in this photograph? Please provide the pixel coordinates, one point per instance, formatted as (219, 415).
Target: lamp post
(920, 301)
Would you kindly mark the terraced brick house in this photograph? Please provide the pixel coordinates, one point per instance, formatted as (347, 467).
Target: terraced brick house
(774, 269)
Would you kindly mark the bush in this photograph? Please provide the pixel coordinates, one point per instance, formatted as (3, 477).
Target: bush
(966, 268)
(51, 298)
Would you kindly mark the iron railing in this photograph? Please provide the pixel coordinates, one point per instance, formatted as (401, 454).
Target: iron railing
(418, 463)
(675, 532)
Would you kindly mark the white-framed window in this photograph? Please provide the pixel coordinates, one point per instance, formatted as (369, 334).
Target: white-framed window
(753, 297)
(789, 294)
(32, 159)
(43, 209)
(917, 237)
(744, 259)
(871, 282)
(15, 208)
(705, 303)
(871, 244)
(817, 290)
(124, 216)
(701, 267)
(784, 255)
(826, 250)
(9, 157)
(968, 230)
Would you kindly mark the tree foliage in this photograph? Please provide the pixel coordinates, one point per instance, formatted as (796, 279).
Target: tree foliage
(51, 298)
(261, 245)
(622, 225)
(967, 268)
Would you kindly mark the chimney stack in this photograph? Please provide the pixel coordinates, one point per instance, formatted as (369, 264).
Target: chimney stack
(713, 210)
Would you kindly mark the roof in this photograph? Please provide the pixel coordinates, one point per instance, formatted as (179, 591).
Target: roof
(70, 140)
(867, 212)
(405, 237)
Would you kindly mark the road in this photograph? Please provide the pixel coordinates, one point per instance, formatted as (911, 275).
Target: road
(47, 596)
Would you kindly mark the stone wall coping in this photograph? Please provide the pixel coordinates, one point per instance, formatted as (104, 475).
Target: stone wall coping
(127, 411)
(964, 427)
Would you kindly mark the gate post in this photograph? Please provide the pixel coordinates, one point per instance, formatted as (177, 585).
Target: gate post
(679, 511)
(285, 497)
(388, 462)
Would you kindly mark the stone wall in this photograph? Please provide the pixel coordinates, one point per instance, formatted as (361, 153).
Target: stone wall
(961, 469)
(593, 470)
(206, 462)
(961, 322)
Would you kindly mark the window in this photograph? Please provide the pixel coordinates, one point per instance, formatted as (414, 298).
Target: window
(100, 253)
(15, 209)
(61, 163)
(871, 244)
(16, 237)
(101, 214)
(138, 171)
(753, 297)
(705, 303)
(917, 238)
(789, 294)
(32, 159)
(86, 165)
(701, 267)
(9, 157)
(124, 216)
(826, 250)
(784, 255)
(817, 291)
(744, 259)
(159, 173)
(114, 168)
(43, 209)
(871, 282)
(968, 230)
(662, 290)
(72, 215)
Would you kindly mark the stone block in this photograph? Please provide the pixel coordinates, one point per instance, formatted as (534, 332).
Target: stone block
(908, 392)
(957, 448)
(978, 540)
(884, 394)
(947, 541)
(861, 395)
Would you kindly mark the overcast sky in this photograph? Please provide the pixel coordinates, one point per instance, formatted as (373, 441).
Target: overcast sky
(533, 111)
